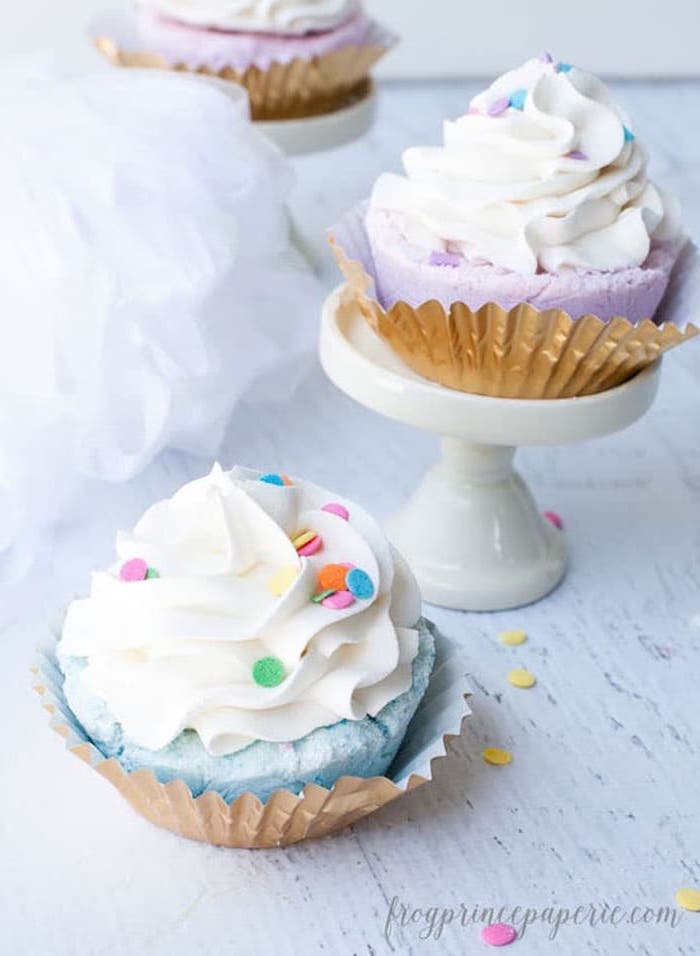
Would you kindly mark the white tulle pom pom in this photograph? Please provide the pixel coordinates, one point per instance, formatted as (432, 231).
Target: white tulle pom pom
(146, 280)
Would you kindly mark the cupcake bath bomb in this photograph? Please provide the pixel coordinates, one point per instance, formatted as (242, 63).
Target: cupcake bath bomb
(254, 634)
(295, 57)
(539, 195)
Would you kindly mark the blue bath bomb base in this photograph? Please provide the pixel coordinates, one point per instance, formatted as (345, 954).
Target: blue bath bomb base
(360, 748)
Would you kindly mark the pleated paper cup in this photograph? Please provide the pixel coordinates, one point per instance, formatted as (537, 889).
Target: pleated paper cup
(296, 90)
(286, 818)
(521, 352)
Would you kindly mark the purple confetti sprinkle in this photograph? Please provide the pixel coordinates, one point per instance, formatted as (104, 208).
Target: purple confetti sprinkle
(499, 106)
(546, 58)
(576, 154)
(445, 259)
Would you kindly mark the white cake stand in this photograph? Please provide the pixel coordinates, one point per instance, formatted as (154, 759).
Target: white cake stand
(472, 532)
(316, 133)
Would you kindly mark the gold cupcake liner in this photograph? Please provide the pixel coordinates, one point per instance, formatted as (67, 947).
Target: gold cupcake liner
(521, 352)
(296, 90)
(286, 818)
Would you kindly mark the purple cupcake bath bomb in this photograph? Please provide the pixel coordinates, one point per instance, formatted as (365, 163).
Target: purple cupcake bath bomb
(538, 195)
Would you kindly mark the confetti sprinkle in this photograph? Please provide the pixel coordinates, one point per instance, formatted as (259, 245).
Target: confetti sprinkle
(688, 899)
(499, 106)
(360, 584)
(339, 601)
(564, 67)
(307, 543)
(576, 154)
(512, 638)
(334, 508)
(322, 595)
(517, 99)
(497, 757)
(473, 111)
(522, 678)
(268, 672)
(629, 135)
(282, 581)
(445, 259)
(554, 518)
(498, 934)
(135, 569)
(546, 58)
(273, 480)
(151, 574)
(333, 577)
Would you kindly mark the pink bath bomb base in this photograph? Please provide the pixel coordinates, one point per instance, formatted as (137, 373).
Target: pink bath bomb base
(216, 50)
(403, 272)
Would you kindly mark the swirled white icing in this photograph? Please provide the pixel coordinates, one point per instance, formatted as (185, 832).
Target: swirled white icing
(178, 651)
(543, 173)
(257, 16)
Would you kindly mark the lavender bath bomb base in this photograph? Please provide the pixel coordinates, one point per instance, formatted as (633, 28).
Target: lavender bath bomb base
(403, 272)
(216, 50)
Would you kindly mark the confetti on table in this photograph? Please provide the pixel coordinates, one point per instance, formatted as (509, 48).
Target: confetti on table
(688, 899)
(522, 678)
(554, 518)
(498, 934)
(512, 638)
(497, 757)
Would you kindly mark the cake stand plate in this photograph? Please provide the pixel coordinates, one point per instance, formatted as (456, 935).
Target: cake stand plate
(316, 133)
(471, 531)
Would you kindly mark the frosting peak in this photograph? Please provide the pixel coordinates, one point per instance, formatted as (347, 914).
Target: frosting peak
(213, 620)
(544, 172)
(257, 16)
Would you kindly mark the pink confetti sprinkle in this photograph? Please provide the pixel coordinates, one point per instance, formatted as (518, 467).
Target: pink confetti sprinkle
(555, 519)
(576, 154)
(339, 601)
(346, 564)
(473, 111)
(313, 547)
(134, 570)
(334, 508)
(445, 259)
(499, 106)
(498, 934)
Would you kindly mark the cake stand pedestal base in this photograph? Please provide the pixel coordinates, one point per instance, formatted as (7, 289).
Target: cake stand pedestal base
(472, 532)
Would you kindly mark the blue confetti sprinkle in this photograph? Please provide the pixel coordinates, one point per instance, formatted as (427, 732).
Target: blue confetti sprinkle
(273, 480)
(517, 99)
(359, 584)
(629, 135)
(564, 67)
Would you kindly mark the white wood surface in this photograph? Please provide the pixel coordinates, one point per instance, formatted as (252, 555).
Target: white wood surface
(601, 802)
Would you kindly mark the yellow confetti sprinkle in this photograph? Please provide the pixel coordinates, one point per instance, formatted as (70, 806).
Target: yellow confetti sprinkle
(522, 678)
(497, 757)
(281, 582)
(512, 638)
(688, 899)
(303, 537)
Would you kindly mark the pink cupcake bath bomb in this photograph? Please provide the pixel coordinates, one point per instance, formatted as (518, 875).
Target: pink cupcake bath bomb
(538, 195)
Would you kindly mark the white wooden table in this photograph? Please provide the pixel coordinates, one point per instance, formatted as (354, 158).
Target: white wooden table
(601, 804)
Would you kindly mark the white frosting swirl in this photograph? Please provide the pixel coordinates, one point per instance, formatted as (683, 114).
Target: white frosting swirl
(294, 17)
(178, 652)
(554, 180)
